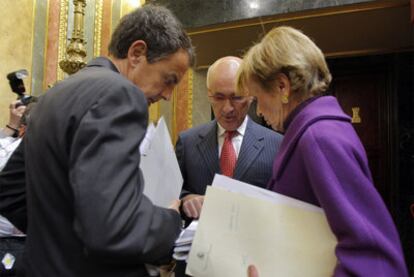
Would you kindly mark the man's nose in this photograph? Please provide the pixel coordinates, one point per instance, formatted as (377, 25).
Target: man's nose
(227, 106)
(167, 93)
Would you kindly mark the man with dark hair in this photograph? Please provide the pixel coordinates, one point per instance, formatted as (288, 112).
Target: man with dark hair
(86, 210)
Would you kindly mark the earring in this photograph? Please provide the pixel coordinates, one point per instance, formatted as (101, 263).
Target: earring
(285, 99)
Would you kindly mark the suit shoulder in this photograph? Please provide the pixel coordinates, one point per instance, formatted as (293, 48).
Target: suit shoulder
(271, 134)
(195, 131)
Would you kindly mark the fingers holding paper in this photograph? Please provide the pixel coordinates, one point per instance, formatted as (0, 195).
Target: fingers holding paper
(192, 205)
(252, 271)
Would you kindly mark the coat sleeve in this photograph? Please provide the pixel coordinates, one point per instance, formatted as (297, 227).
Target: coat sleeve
(13, 190)
(113, 218)
(337, 167)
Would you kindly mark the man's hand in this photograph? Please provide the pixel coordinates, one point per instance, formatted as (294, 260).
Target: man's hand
(16, 114)
(252, 271)
(192, 205)
(175, 205)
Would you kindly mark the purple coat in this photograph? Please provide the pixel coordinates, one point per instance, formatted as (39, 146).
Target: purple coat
(322, 161)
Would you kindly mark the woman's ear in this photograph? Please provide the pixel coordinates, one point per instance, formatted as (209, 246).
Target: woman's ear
(137, 51)
(283, 84)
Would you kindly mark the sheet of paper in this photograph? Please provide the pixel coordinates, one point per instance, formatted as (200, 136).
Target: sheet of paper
(159, 166)
(145, 143)
(236, 230)
(230, 184)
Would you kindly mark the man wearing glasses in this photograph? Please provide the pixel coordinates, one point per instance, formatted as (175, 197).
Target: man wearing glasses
(232, 144)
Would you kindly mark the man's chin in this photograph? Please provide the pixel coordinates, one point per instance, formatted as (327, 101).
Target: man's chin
(230, 126)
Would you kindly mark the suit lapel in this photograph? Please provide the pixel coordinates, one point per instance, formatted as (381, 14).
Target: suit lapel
(251, 147)
(208, 147)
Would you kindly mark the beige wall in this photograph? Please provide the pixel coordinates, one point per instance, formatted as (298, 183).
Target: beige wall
(201, 106)
(38, 35)
(16, 31)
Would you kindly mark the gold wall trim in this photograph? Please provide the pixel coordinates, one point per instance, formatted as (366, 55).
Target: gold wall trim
(362, 7)
(63, 29)
(97, 35)
(32, 46)
(46, 45)
(174, 115)
(190, 99)
(154, 112)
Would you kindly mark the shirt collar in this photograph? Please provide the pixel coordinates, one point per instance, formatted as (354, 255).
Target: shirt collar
(240, 131)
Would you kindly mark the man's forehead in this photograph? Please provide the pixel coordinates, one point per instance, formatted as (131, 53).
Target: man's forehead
(219, 92)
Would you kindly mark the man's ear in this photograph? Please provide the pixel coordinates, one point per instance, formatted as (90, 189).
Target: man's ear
(137, 51)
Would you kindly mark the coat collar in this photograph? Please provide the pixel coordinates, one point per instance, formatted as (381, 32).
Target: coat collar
(323, 108)
(103, 62)
(252, 145)
(208, 145)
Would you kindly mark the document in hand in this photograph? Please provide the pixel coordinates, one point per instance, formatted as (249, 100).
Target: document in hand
(282, 238)
(159, 166)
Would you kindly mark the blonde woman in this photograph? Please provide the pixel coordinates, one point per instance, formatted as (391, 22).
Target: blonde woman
(321, 159)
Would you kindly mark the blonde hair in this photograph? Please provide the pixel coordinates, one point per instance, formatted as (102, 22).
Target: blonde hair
(286, 50)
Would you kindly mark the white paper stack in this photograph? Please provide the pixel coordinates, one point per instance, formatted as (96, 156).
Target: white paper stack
(159, 166)
(242, 225)
(184, 241)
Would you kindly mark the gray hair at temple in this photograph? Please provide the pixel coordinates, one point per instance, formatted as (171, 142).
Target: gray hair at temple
(158, 27)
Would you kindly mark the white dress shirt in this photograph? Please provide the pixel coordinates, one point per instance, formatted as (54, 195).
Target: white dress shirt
(237, 138)
(7, 146)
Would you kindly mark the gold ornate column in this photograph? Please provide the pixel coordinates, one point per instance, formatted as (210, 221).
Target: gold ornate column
(76, 52)
(182, 118)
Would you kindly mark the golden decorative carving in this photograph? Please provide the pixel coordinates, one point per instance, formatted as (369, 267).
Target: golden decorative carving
(355, 115)
(63, 25)
(76, 51)
(154, 112)
(190, 99)
(174, 116)
(182, 106)
(98, 28)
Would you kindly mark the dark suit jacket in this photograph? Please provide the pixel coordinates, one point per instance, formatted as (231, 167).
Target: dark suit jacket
(197, 154)
(13, 190)
(86, 210)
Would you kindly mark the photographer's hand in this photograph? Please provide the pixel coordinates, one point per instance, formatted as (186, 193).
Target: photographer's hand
(14, 118)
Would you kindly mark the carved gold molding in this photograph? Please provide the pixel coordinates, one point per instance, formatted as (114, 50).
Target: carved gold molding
(154, 112)
(97, 35)
(63, 26)
(185, 89)
(76, 51)
(174, 116)
(190, 99)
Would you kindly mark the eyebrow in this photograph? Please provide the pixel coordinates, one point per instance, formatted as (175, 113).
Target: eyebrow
(221, 93)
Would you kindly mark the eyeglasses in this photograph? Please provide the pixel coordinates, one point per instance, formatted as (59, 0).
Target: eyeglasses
(234, 99)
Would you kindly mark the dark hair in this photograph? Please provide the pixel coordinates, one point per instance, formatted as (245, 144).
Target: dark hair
(158, 27)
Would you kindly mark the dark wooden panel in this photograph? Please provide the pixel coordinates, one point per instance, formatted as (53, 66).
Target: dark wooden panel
(365, 89)
(383, 87)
